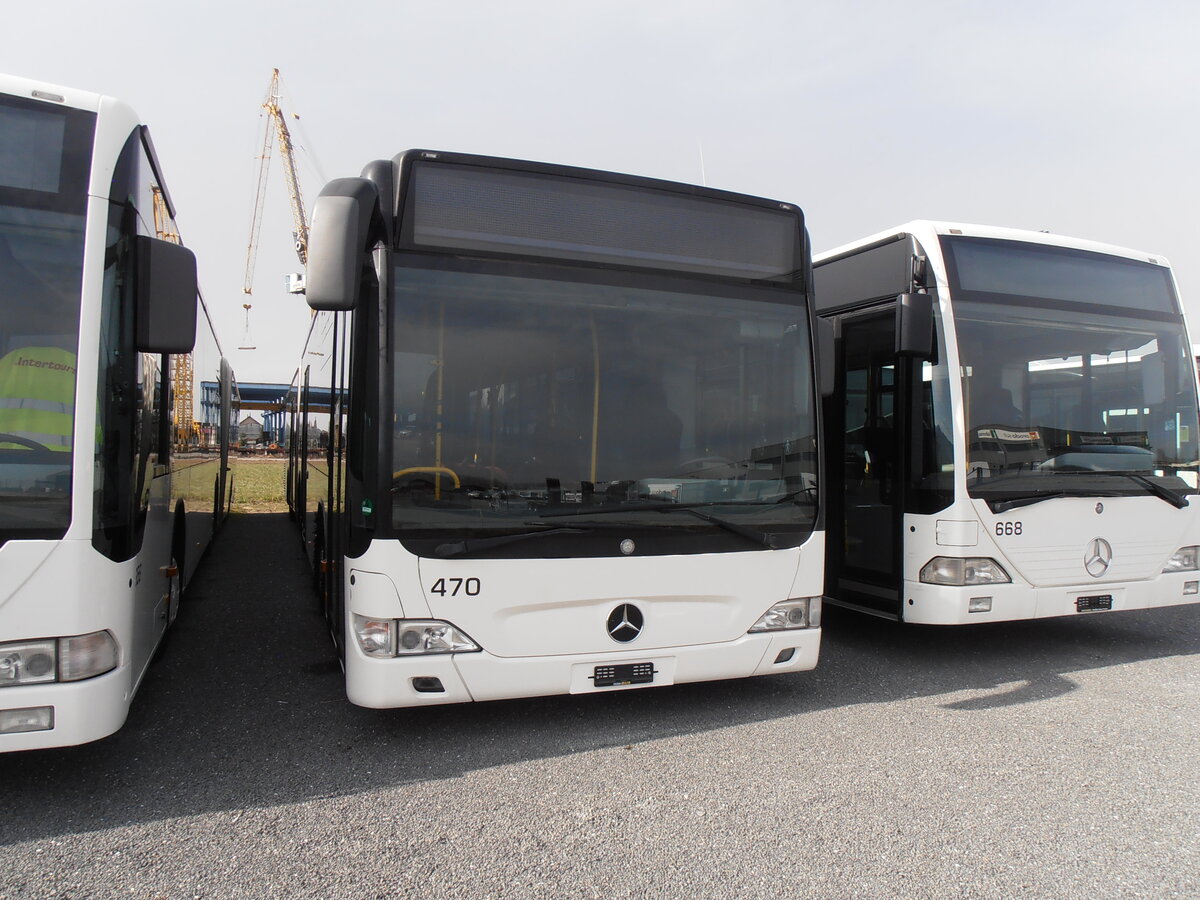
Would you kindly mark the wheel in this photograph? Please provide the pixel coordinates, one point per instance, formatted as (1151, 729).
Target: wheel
(178, 557)
(174, 590)
(319, 555)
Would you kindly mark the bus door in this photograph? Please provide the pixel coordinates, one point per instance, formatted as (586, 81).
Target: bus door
(866, 427)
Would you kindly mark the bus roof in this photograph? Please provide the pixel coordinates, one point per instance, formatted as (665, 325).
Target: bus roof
(52, 93)
(928, 230)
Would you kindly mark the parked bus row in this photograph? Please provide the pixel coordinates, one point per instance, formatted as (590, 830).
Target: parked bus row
(583, 431)
(574, 443)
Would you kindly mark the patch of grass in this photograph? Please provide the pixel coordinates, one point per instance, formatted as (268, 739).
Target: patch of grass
(259, 484)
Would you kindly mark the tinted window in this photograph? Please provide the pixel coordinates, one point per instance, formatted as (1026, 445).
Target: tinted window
(44, 153)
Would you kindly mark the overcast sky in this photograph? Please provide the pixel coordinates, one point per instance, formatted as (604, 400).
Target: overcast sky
(1076, 117)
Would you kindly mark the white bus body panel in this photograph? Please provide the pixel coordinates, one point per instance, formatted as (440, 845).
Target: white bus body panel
(541, 622)
(42, 595)
(42, 583)
(1046, 560)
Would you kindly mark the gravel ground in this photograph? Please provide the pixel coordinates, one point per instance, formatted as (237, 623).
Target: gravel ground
(1049, 759)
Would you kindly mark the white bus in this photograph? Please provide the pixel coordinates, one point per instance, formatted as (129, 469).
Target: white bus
(106, 502)
(570, 443)
(1012, 429)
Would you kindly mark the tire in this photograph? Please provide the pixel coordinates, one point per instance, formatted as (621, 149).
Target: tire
(178, 560)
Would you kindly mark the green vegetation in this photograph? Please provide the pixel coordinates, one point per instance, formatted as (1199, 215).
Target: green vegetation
(258, 485)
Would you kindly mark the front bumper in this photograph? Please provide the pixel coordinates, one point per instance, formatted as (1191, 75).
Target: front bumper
(930, 604)
(385, 683)
(83, 710)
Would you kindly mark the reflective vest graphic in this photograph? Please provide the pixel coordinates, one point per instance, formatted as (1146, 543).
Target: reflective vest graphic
(37, 397)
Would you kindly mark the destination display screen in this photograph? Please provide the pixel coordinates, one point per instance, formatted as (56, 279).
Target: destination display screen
(1017, 269)
(31, 149)
(475, 208)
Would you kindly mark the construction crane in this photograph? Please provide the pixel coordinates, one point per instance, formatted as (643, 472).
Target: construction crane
(277, 128)
(181, 363)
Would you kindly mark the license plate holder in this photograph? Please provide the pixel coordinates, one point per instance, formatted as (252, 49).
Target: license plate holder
(1094, 603)
(623, 674)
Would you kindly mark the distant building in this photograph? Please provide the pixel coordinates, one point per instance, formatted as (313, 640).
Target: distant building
(250, 431)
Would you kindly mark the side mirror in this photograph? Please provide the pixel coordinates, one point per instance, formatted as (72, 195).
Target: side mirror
(337, 243)
(914, 326)
(165, 293)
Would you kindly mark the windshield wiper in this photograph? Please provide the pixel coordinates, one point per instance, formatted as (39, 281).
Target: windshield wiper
(474, 545)
(762, 538)
(1176, 499)
(998, 506)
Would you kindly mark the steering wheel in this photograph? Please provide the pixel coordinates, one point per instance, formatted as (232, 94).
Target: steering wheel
(6, 438)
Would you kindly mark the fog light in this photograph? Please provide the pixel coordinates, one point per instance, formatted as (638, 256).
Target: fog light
(785, 655)
(428, 685)
(1191, 587)
(20, 721)
(979, 604)
(86, 656)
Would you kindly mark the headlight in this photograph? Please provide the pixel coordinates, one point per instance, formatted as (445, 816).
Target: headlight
(385, 638)
(1186, 559)
(804, 612)
(955, 571)
(417, 636)
(28, 662)
(57, 659)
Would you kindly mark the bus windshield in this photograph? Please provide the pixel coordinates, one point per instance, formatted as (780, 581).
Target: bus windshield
(522, 401)
(43, 166)
(1055, 390)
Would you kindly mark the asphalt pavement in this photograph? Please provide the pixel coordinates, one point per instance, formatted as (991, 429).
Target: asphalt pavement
(1041, 759)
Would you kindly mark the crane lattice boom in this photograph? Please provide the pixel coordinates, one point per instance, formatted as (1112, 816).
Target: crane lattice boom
(276, 128)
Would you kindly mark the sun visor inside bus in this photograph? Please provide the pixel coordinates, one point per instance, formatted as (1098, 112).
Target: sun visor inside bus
(166, 297)
(472, 208)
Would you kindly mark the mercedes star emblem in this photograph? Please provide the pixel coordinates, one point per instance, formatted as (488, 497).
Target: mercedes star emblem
(1098, 557)
(625, 623)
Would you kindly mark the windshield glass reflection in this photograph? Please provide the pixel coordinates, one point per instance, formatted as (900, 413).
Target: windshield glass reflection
(41, 258)
(518, 398)
(1049, 394)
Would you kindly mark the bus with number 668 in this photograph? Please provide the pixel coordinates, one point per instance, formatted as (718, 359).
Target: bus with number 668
(1012, 427)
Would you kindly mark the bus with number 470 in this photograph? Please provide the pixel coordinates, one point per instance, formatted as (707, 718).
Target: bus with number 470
(566, 432)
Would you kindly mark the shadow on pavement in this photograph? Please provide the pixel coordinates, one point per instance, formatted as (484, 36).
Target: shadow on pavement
(245, 707)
